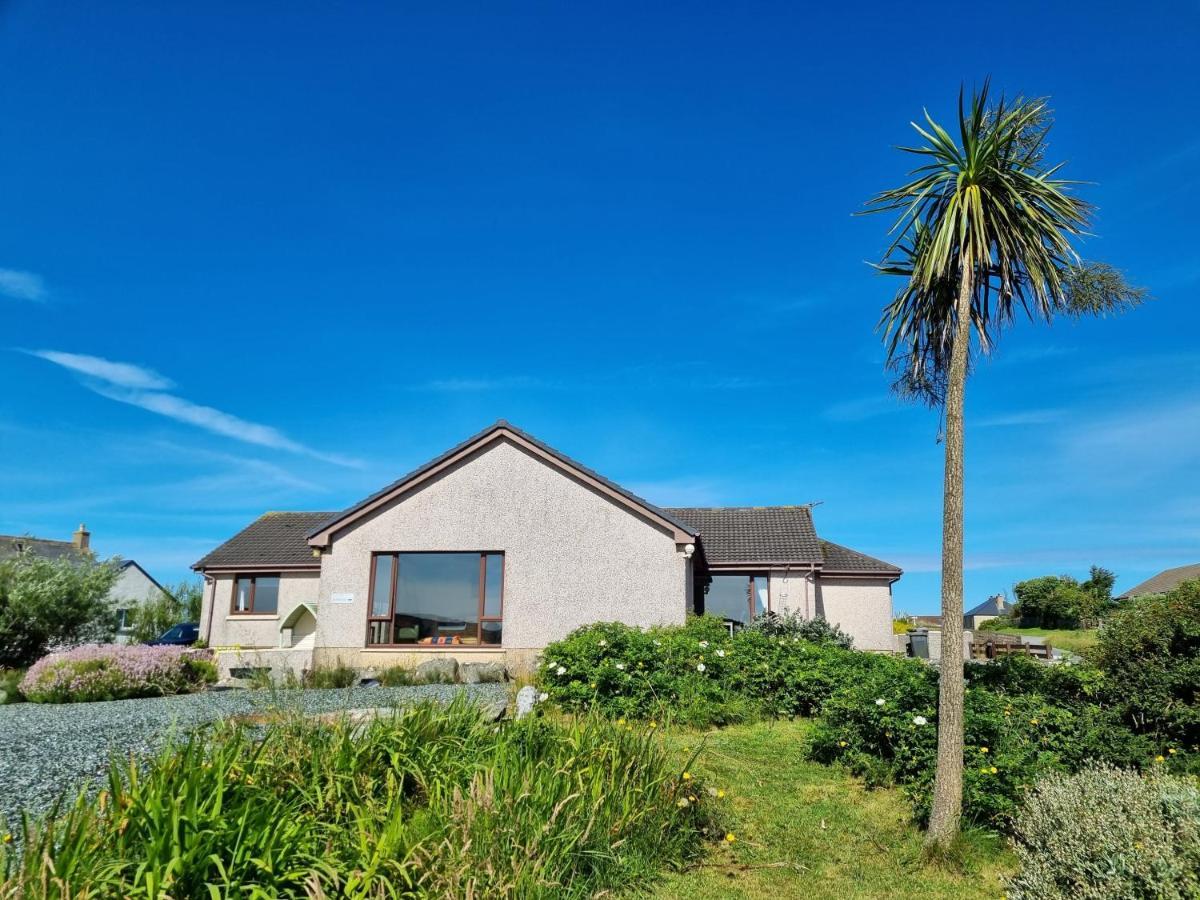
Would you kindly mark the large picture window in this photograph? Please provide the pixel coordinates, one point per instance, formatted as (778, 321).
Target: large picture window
(738, 598)
(436, 599)
(255, 595)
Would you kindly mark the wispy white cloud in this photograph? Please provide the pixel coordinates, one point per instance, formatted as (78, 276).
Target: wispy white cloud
(125, 375)
(144, 388)
(22, 285)
(881, 404)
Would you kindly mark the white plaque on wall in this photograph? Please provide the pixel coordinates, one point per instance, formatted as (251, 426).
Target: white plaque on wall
(341, 598)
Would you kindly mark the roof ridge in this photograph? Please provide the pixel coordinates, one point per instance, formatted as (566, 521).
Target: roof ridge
(477, 438)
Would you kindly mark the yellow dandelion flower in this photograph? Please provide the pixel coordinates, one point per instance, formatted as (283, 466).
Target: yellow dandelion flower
(620, 721)
(993, 770)
(8, 838)
(983, 770)
(1160, 758)
(687, 776)
(730, 837)
(983, 749)
(1033, 721)
(1172, 751)
(720, 794)
(653, 724)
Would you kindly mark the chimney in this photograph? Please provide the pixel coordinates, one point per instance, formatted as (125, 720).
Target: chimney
(81, 538)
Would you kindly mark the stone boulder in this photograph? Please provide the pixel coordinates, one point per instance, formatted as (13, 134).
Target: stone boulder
(482, 673)
(527, 698)
(440, 670)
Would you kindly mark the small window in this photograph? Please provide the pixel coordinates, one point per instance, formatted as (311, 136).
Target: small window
(256, 594)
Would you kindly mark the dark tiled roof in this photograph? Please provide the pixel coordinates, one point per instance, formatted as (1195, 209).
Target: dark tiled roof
(1164, 581)
(273, 539)
(12, 545)
(734, 534)
(992, 606)
(501, 424)
(843, 559)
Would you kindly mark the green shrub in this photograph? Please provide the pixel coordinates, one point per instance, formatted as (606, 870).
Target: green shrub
(1109, 834)
(791, 624)
(338, 676)
(1151, 649)
(396, 676)
(48, 603)
(433, 802)
(882, 725)
(695, 674)
(10, 686)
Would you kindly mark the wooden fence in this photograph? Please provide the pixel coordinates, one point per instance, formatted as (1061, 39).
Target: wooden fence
(994, 649)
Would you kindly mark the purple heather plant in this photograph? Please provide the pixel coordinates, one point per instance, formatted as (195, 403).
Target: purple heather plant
(116, 672)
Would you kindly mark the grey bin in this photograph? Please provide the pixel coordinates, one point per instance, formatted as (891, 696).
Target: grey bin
(918, 643)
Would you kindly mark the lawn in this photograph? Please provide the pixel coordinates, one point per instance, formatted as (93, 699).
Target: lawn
(803, 829)
(1075, 640)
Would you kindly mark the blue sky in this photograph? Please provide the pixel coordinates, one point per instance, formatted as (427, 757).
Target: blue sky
(270, 257)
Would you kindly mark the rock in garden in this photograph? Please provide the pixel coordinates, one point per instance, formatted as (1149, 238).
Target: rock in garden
(443, 670)
(526, 700)
(482, 673)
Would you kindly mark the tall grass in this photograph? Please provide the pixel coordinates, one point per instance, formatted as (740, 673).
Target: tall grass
(433, 802)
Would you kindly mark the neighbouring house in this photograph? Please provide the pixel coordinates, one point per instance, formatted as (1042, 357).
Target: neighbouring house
(134, 585)
(500, 546)
(1164, 581)
(991, 608)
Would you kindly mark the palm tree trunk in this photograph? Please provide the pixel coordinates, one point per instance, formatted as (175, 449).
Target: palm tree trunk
(948, 782)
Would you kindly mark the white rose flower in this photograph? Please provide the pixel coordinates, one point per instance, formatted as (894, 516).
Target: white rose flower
(621, 666)
(720, 653)
(880, 702)
(920, 720)
(700, 667)
(561, 670)
(603, 642)
(543, 697)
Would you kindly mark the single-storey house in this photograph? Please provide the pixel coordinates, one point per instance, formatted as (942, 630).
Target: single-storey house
(134, 585)
(991, 608)
(503, 544)
(1164, 581)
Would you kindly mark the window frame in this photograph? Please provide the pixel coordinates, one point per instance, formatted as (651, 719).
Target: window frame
(480, 619)
(751, 595)
(253, 577)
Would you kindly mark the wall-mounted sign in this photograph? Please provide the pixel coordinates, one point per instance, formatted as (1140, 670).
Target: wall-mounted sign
(341, 598)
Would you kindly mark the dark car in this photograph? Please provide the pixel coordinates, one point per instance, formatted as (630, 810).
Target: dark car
(182, 635)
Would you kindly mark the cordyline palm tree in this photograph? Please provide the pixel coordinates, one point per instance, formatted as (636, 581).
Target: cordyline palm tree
(985, 230)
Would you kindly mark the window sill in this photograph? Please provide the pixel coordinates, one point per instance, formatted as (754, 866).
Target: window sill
(427, 648)
(251, 617)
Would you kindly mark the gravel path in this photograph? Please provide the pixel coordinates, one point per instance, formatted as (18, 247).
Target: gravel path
(46, 749)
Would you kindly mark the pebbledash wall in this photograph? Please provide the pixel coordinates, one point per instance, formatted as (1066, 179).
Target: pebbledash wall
(860, 604)
(241, 630)
(571, 557)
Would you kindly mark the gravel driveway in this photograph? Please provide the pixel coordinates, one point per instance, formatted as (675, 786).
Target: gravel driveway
(46, 749)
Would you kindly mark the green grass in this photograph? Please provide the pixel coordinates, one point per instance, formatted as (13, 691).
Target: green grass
(1075, 640)
(807, 830)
